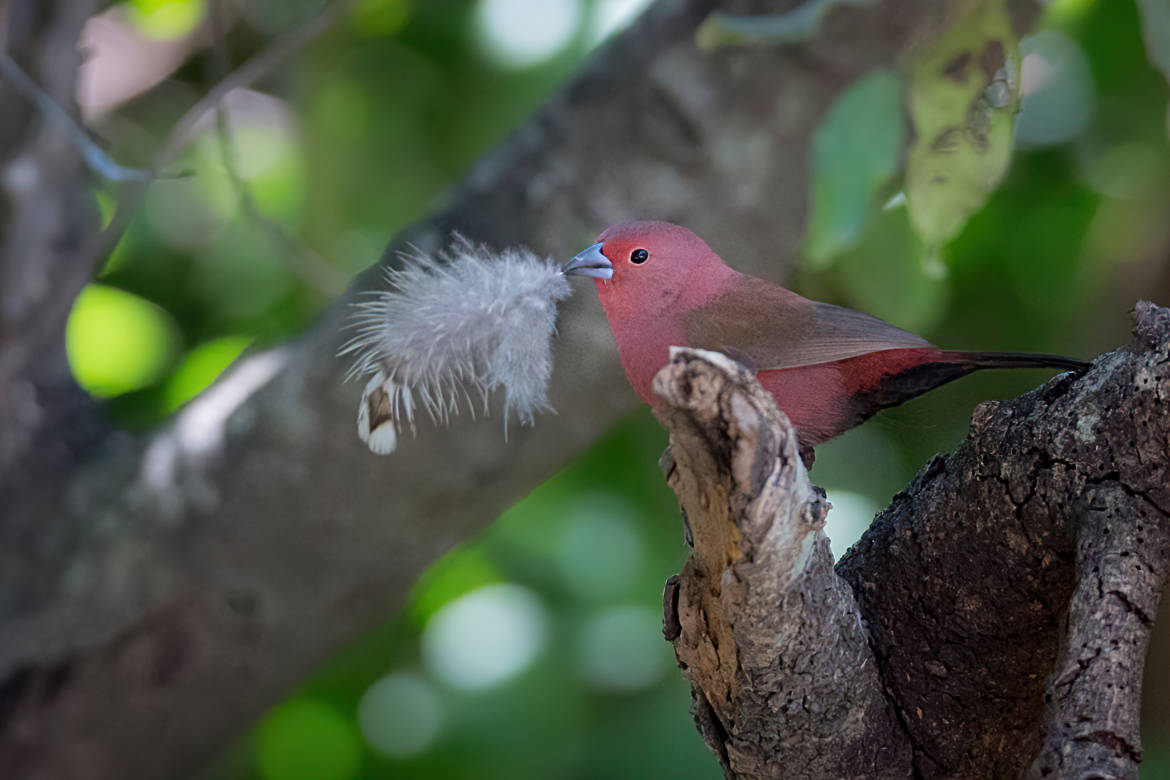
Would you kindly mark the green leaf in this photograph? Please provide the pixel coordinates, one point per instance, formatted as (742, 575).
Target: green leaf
(457, 573)
(887, 275)
(964, 94)
(1156, 32)
(117, 342)
(855, 151)
(167, 19)
(307, 739)
(200, 367)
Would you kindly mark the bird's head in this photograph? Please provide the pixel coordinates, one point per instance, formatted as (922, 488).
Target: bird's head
(648, 266)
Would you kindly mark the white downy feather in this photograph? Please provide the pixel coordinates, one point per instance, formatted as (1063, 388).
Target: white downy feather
(452, 328)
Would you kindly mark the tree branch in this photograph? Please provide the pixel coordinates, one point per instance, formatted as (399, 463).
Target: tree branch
(1007, 595)
(784, 681)
(45, 215)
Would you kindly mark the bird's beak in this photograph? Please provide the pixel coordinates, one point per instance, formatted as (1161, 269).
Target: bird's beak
(589, 262)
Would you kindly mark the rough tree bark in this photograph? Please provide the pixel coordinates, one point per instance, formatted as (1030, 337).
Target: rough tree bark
(992, 622)
(194, 574)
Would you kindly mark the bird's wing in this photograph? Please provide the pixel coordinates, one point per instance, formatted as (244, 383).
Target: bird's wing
(768, 327)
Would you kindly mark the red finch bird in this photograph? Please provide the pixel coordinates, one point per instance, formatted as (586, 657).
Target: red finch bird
(829, 368)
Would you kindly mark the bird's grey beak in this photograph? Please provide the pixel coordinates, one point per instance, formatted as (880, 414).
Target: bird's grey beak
(589, 262)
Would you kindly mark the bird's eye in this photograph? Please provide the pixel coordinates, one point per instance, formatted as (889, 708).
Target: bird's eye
(639, 256)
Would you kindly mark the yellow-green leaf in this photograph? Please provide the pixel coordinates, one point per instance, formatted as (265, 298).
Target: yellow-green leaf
(963, 96)
(167, 19)
(886, 275)
(117, 342)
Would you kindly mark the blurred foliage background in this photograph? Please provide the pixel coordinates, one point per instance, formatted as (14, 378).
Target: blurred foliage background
(535, 651)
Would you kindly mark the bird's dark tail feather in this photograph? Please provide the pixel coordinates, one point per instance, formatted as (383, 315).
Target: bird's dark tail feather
(947, 366)
(978, 360)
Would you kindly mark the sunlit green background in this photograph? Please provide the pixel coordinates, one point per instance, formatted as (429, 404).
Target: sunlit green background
(535, 651)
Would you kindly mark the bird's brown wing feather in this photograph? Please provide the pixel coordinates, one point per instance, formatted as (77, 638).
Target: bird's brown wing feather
(768, 327)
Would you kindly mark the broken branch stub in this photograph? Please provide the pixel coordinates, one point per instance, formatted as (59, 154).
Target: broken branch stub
(784, 683)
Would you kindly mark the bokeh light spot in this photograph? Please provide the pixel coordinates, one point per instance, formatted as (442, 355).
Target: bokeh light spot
(486, 637)
(244, 271)
(1066, 12)
(380, 17)
(263, 130)
(306, 739)
(266, 153)
(1125, 170)
(117, 342)
(600, 550)
(519, 33)
(343, 110)
(848, 519)
(188, 214)
(400, 715)
(621, 649)
(167, 19)
(1056, 89)
(456, 574)
(614, 15)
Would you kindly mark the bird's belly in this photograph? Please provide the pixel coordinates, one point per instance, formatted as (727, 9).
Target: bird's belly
(814, 398)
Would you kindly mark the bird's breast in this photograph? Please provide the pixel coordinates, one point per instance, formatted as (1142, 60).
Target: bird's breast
(644, 348)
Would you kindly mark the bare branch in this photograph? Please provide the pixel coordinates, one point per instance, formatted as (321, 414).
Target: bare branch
(95, 157)
(1122, 526)
(45, 216)
(784, 682)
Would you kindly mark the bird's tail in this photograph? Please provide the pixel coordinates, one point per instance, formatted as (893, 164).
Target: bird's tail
(938, 367)
(980, 360)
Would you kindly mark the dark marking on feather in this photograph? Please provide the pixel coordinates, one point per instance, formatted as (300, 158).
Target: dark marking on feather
(897, 388)
(378, 403)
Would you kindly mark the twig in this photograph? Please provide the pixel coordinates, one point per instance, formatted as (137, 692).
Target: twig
(255, 69)
(313, 269)
(95, 157)
(796, 26)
